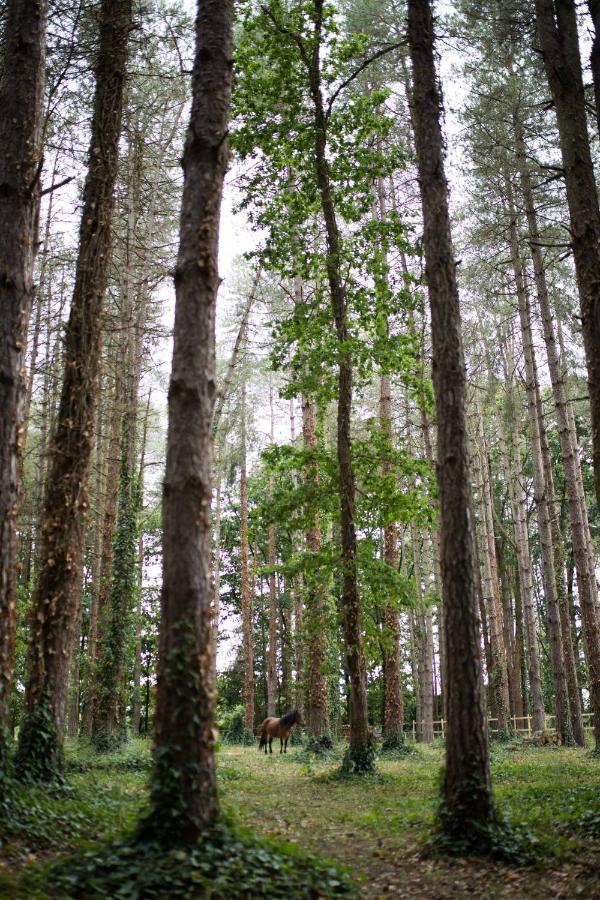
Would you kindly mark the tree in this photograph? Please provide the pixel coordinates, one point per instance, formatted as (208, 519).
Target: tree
(57, 595)
(467, 797)
(21, 96)
(184, 797)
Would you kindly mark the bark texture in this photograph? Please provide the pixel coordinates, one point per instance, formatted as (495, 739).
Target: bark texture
(57, 595)
(556, 23)
(184, 794)
(466, 788)
(21, 95)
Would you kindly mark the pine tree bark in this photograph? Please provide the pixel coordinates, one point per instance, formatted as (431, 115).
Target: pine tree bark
(21, 98)
(518, 501)
(594, 10)
(556, 23)
(498, 675)
(540, 485)
(184, 792)
(57, 595)
(578, 517)
(466, 787)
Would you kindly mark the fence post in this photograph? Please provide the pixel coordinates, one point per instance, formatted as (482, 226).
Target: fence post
(529, 725)
(414, 730)
(443, 733)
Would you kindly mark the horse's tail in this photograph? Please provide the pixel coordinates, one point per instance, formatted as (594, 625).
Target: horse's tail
(263, 737)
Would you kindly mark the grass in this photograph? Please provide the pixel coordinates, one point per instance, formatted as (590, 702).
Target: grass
(374, 825)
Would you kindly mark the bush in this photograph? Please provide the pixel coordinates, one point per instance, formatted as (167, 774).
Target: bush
(232, 725)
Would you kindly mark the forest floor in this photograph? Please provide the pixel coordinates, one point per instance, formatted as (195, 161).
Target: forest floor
(373, 826)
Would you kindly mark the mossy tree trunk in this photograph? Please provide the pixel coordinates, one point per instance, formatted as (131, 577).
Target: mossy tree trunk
(184, 792)
(21, 97)
(57, 594)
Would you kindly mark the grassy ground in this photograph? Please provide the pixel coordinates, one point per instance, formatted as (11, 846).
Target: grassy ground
(375, 826)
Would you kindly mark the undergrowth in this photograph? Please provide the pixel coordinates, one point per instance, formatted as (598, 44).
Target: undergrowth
(226, 864)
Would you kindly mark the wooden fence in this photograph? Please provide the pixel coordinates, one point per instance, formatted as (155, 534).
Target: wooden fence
(521, 725)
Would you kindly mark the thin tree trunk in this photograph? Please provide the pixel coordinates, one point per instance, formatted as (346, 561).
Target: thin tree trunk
(423, 647)
(296, 588)
(541, 488)
(136, 711)
(21, 97)
(498, 676)
(314, 619)
(185, 804)
(580, 531)
(393, 718)
(466, 787)
(273, 605)
(246, 593)
(57, 595)
(518, 501)
(358, 756)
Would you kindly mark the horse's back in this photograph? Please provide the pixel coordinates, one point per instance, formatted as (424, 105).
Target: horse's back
(268, 722)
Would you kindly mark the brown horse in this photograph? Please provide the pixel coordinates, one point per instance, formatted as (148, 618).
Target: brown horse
(272, 728)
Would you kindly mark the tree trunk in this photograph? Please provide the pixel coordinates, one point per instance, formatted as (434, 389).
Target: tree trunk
(540, 485)
(359, 757)
(21, 98)
(498, 676)
(393, 718)
(594, 10)
(314, 618)
(245, 577)
(273, 605)
(57, 595)
(580, 531)
(556, 22)
(466, 787)
(518, 501)
(424, 648)
(184, 792)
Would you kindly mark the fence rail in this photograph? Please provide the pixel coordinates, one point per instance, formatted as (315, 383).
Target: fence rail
(521, 725)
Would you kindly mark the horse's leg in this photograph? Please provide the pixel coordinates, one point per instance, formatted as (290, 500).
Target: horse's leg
(270, 744)
(281, 745)
(285, 746)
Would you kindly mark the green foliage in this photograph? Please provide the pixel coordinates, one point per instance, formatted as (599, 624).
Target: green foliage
(116, 629)
(359, 761)
(394, 746)
(40, 755)
(457, 833)
(226, 863)
(232, 726)
(319, 746)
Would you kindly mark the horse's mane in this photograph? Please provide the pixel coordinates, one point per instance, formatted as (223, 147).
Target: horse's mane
(289, 718)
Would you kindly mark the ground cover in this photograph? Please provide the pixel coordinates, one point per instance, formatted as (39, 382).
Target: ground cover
(375, 826)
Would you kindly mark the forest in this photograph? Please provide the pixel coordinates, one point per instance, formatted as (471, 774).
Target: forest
(299, 449)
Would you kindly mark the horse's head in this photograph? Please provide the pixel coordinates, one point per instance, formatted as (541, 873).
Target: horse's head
(298, 718)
